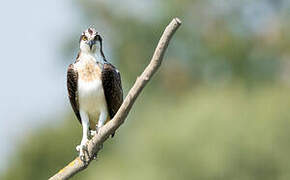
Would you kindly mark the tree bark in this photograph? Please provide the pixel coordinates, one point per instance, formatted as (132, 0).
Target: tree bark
(95, 144)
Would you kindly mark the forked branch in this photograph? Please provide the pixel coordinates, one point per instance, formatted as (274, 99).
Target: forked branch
(93, 145)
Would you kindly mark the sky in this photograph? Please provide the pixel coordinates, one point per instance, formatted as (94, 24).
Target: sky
(32, 78)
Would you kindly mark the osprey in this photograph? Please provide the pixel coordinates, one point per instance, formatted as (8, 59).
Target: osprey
(94, 87)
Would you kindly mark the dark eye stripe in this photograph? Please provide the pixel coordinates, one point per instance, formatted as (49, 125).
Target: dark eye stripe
(83, 37)
(98, 38)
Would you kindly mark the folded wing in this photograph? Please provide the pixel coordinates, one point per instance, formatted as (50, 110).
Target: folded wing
(112, 85)
(72, 87)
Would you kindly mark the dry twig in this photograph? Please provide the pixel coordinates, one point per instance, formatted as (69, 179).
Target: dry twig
(93, 146)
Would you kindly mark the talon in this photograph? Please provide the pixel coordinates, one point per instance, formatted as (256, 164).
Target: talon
(95, 157)
(97, 129)
(92, 133)
(82, 157)
(78, 148)
(82, 148)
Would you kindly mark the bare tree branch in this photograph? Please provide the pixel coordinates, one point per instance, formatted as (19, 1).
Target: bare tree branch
(95, 144)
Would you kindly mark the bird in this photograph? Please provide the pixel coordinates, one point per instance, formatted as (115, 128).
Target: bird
(94, 87)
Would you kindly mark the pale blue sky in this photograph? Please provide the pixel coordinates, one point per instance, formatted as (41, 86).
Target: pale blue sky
(32, 79)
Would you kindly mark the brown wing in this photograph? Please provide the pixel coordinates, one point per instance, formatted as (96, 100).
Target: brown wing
(112, 85)
(72, 87)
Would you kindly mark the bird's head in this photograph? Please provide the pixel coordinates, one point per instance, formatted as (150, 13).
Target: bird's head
(90, 41)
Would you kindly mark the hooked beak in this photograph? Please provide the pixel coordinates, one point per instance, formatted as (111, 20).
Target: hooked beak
(91, 43)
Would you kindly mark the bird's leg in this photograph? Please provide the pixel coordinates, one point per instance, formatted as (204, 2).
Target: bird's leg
(82, 148)
(102, 119)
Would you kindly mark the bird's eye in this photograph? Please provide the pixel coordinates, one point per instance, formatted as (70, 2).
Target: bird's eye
(84, 38)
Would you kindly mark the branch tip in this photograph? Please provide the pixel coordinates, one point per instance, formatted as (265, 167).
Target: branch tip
(178, 21)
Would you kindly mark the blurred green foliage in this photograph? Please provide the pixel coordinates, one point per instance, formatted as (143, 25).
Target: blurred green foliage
(217, 109)
(218, 41)
(226, 133)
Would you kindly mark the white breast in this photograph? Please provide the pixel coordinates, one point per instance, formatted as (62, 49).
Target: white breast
(90, 90)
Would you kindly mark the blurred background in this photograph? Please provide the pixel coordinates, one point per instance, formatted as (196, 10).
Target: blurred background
(218, 108)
